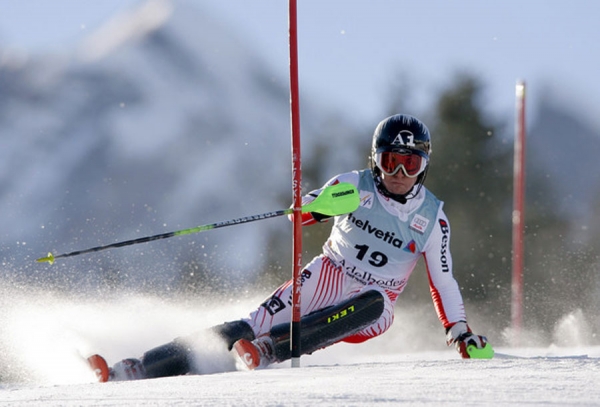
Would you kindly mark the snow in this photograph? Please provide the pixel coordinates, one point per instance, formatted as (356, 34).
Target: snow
(425, 379)
(45, 334)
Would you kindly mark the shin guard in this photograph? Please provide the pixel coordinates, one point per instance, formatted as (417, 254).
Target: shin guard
(171, 359)
(327, 326)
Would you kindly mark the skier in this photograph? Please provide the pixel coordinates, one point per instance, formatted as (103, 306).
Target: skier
(348, 291)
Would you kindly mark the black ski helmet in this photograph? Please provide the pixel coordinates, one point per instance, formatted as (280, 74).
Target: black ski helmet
(401, 133)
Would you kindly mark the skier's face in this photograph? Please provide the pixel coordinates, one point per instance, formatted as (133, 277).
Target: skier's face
(398, 183)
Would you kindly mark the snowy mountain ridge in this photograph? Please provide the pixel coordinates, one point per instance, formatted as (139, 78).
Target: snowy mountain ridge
(142, 131)
(126, 27)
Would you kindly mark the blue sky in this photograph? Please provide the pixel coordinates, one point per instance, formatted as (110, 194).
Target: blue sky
(350, 50)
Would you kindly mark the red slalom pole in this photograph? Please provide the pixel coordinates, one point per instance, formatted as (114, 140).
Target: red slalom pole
(518, 215)
(296, 187)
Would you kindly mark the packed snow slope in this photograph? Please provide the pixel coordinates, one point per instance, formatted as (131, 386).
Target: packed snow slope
(424, 379)
(45, 337)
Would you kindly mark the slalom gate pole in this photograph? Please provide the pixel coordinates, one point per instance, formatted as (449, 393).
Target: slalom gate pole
(518, 215)
(296, 187)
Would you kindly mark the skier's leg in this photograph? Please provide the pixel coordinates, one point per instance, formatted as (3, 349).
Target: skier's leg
(318, 330)
(177, 357)
(325, 327)
(231, 332)
(382, 324)
(323, 285)
(171, 359)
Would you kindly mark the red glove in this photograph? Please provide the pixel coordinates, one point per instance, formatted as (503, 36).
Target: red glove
(461, 336)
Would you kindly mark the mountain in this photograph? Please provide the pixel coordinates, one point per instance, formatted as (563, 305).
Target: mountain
(161, 120)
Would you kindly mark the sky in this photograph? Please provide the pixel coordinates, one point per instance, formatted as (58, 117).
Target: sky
(351, 52)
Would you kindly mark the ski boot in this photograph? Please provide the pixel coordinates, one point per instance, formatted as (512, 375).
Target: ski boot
(255, 354)
(127, 369)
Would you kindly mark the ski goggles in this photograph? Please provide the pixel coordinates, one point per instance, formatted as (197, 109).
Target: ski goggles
(390, 163)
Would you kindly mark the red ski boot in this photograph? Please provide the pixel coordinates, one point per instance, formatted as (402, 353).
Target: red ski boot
(100, 367)
(255, 354)
(127, 369)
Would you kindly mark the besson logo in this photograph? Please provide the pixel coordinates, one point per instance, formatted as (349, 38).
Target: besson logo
(444, 248)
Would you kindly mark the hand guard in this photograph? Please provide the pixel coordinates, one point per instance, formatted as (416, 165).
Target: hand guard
(461, 336)
(310, 218)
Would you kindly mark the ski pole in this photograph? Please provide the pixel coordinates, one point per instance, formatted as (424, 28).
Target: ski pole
(334, 200)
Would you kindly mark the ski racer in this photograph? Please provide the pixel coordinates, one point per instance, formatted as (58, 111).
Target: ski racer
(348, 291)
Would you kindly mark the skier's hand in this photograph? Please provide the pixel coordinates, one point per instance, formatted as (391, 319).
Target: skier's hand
(319, 217)
(461, 336)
